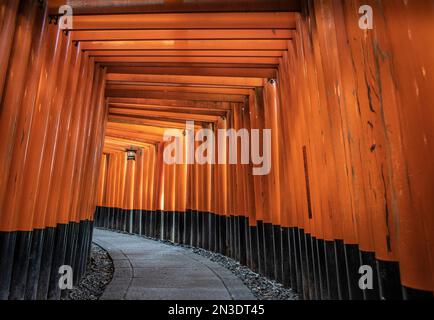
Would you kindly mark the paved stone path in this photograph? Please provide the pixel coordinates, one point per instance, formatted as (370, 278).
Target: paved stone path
(150, 270)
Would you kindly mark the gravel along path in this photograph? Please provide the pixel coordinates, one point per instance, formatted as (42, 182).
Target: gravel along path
(98, 275)
(261, 287)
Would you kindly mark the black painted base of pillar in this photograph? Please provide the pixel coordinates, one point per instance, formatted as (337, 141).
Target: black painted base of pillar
(321, 269)
(331, 270)
(414, 294)
(187, 227)
(286, 257)
(176, 227)
(269, 250)
(261, 247)
(222, 247)
(352, 260)
(242, 244)
(205, 230)
(20, 264)
(158, 225)
(59, 258)
(253, 238)
(368, 258)
(46, 259)
(277, 252)
(34, 264)
(341, 270)
(194, 226)
(169, 230)
(213, 232)
(389, 280)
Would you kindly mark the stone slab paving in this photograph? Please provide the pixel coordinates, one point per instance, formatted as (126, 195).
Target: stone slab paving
(151, 270)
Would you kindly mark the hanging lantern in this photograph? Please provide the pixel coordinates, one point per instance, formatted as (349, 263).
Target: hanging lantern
(131, 154)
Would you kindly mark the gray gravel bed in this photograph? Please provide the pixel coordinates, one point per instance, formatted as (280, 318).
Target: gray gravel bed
(261, 287)
(98, 275)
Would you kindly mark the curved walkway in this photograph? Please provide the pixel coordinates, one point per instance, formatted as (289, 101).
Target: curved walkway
(150, 270)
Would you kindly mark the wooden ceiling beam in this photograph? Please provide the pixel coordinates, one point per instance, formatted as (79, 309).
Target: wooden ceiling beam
(205, 20)
(176, 88)
(135, 128)
(164, 6)
(171, 103)
(181, 34)
(124, 144)
(204, 111)
(180, 79)
(197, 71)
(174, 95)
(163, 123)
(186, 45)
(190, 53)
(186, 60)
(163, 115)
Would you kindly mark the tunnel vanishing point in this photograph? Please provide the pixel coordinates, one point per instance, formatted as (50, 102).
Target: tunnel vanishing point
(86, 99)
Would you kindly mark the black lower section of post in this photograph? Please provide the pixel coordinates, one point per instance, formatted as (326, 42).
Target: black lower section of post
(368, 259)
(389, 280)
(253, 237)
(46, 259)
(341, 270)
(187, 227)
(194, 234)
(58, 260)
(34, 264)
(286, 258)
(20, 264)
(277, 250)
(261, 246)
(269, 250)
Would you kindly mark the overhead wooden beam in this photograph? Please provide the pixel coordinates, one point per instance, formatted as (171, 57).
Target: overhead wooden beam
(124, 144)
(204, 20)
(181, 34)
(204, 111)
(174, 95)
(188, 59)
(172, 103)
(186, 45)
(164, 123)
(134, 128)
(194, 53)
(164, 6)
(233, 81)
(254, 72)
(118, 122)
(163, 115)
(177, 88)
(139, 136)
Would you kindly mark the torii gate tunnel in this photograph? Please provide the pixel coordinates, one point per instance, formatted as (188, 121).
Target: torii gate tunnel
(116, 115)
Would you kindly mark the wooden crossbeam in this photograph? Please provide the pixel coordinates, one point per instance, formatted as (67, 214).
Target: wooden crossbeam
(181, 34)
(233, 81)
(186, 45)
(204, 20)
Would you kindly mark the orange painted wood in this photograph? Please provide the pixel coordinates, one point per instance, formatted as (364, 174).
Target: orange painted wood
(233, 81)
(8, 18)
(181, 34)
(263, 20)
(13, 93)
